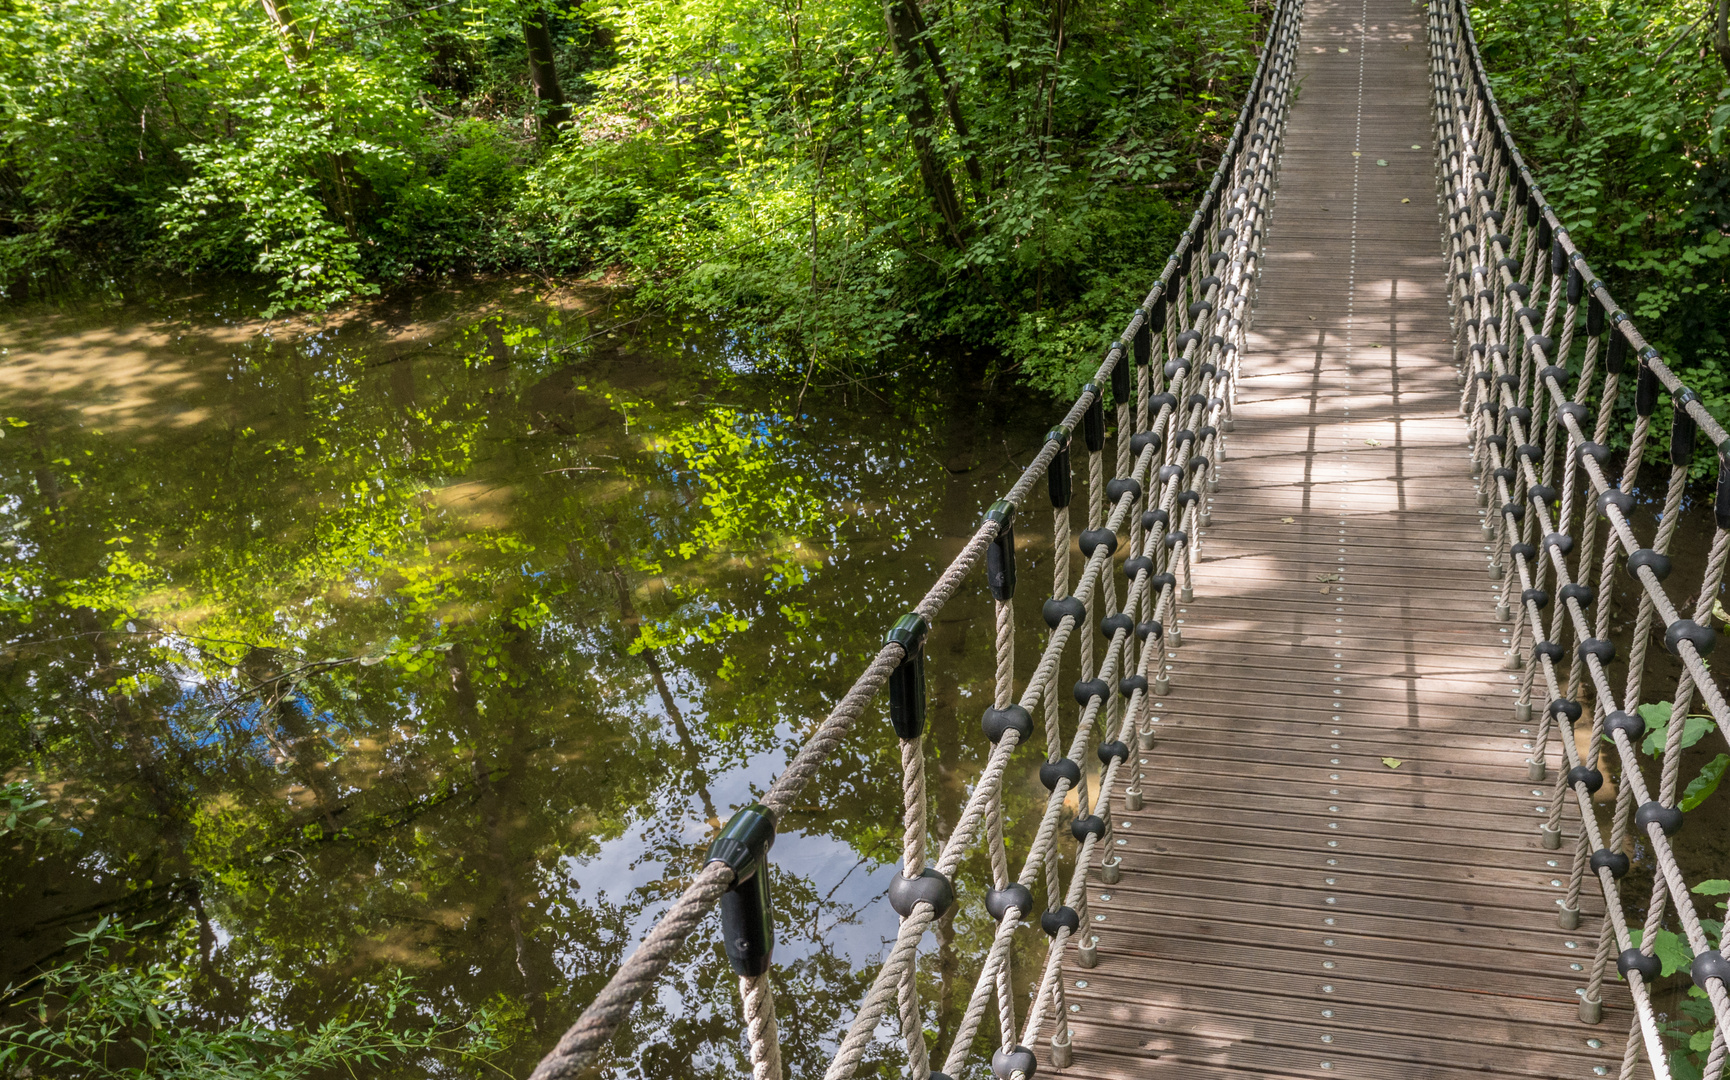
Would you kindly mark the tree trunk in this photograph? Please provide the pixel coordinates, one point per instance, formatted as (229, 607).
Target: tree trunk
(923, 119)
(1721, 34)
(551, 112)
(951, 98)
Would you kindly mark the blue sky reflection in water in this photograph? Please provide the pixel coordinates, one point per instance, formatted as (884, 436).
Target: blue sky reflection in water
(440, 640)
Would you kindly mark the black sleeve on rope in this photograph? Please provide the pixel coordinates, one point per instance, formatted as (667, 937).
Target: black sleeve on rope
(1512, 382)
(1155, 516)
(1616, 356)
(1667, 818)
(1583, 594)
(1514, 510)
(747, 919)
(1184, 339)
(1613, 861)
(1520, 413)
(1635, 960)
(1580, 774)
(1149, 629)
(1129, 684)
(1013, 895)
(907, 681)
(1198, 463)
(1094, 539)
(1121, 394)
(1503, 472)
(1560, 541)
(1541, 493)
(1682, 630)
(1531, 451)
(1490, 407)
(1603, 648)
(930, 886)
(1721, 502)
(1530, 314)
(1594, 309)
(1139, 564)
(1093, 421)
(1683, 429)
(1088, 689)
(1083, 827)
(1547, 648)
(1167, 580)
(1183, 435)
(1500, 442)
(1111, 624)
(1618, 498)
(1523, 550)
(1017, 1059)
(1061, 769)
(1660, 564)
(1000, 553)
(1116, 489)
(1175, 537)
(1579, 412)
(1710, 964)
(1055, 609)
(1168, 472)
(1566, 708)
(1558, 253)
(1626, 722)
(1164, 400)
(1536, 596)
(1141, 440)
(1011, 717)
(1552, 371)
(1142, 349)
(1109, 750)
(1184, 498)
(1059, 476)
(1645, 390)
(1201, 307)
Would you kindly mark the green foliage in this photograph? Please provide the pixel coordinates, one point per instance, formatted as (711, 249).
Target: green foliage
(1008, 175)
(108, 1014)
(1658, 718)
(1622, 111)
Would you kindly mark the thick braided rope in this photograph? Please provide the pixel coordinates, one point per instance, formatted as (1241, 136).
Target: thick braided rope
(577, 1049)
(759, 999)
(1651, 599)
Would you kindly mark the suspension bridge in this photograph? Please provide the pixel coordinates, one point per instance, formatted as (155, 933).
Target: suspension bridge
(1342, 589)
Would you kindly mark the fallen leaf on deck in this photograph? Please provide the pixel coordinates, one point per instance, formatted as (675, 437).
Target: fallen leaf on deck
(1372, 442)
(1392, 762)
(1405, 200)
(1381, 161)
(1328, 577)
(1323, 590)
(1288, 521)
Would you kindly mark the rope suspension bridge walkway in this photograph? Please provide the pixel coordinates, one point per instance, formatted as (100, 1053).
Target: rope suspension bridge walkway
(1346, 692)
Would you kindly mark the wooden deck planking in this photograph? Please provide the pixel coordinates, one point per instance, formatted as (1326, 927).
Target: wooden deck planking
(1291, 906)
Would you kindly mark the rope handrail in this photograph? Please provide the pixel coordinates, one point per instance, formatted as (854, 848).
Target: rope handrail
(1504, 237)
(1194, 316)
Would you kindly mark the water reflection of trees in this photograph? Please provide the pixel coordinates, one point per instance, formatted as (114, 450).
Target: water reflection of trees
(451, 663)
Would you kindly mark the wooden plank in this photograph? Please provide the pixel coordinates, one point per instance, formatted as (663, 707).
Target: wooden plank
(1289, 905)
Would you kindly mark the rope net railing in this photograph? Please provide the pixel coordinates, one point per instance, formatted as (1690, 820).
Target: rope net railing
(1544, 355)
(1172, 376)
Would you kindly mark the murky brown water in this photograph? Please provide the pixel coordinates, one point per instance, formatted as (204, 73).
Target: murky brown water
(440, 641)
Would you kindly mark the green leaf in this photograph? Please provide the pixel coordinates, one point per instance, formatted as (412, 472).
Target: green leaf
(1712, 887)
(1701, 787)
(1673, 952)
(1657, 717)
